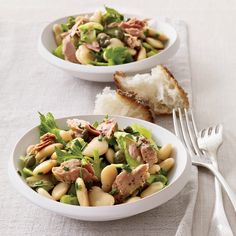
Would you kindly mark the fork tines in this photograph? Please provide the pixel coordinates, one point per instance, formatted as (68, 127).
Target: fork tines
(186, 130)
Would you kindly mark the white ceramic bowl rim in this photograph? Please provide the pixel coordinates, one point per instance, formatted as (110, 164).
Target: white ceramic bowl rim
(72, 211)
(100, 69)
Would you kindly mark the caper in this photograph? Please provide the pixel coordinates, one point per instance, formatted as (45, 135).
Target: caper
(128, 129)
(115, 33)
(30, 161)
(103, 40)
(85, 135)
(119, 157)
(116, 147)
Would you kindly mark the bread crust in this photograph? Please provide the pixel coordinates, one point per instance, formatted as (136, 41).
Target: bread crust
(130, 99)
(181, 91)
(119, 76)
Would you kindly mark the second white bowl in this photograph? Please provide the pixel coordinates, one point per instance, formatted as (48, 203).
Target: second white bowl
(178, 176)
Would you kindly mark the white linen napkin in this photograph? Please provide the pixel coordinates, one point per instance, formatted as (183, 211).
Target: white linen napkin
(28, 85)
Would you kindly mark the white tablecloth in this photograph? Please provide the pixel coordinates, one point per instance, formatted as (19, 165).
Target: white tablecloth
(28, 85)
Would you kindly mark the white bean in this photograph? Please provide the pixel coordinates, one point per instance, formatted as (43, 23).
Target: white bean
(133, 199)
(47, 151)
(59, 190)
(167, 164)
(114, 42)
(57, 29)
(110, 154)
(132, 51)
(54, 156)
(99, 198)
(84, 55)
(153, 188)
(44, 167)
(108, 176)
(165, 152)
(57, 33)
(155, 34)
(96, 144)
(162, 37)
(154, 169)
(66, 135)
(96, 17)
(44, 193)
(81, 192)
(142, 54)
(155, 43)
(30, 149)
(152, 32)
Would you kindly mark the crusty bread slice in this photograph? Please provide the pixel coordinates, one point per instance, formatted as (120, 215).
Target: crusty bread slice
(121, 103)
(159, 88)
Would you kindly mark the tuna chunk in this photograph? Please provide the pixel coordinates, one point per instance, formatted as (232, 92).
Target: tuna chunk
(69, 49)
(149, 154)
(108, 127)
(70, 170)
(134, 26)
(126, 183)
(134, 152)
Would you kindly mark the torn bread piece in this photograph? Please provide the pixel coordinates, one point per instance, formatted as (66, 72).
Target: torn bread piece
(159, 88)
(121, 103)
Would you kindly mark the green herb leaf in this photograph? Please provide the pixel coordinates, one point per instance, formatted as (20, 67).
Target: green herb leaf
(65, 156)
(81, 175)
(71, 190)
(112, 15)
(70, 22)
(78, 187)
(66, 168)
(48, 125)
(114, 191)
(117, 55)
(47, 185)
(64, 27)
(95, 124)
(163, 172)
(127, 168)
(112, 141)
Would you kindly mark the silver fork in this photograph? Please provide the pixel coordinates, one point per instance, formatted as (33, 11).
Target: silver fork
(210, 140)
(185, 129)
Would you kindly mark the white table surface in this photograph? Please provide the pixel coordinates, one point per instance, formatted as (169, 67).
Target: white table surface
(212, 37)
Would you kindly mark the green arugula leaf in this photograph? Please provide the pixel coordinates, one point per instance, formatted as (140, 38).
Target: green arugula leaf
(157, 178)
(97, 164)
(123, 139)
(145, 132)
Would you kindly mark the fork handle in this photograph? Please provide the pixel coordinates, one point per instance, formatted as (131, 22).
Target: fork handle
(228, 190)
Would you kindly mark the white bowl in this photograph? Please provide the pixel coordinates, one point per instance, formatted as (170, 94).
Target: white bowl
(178, 176)
(104, 73)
